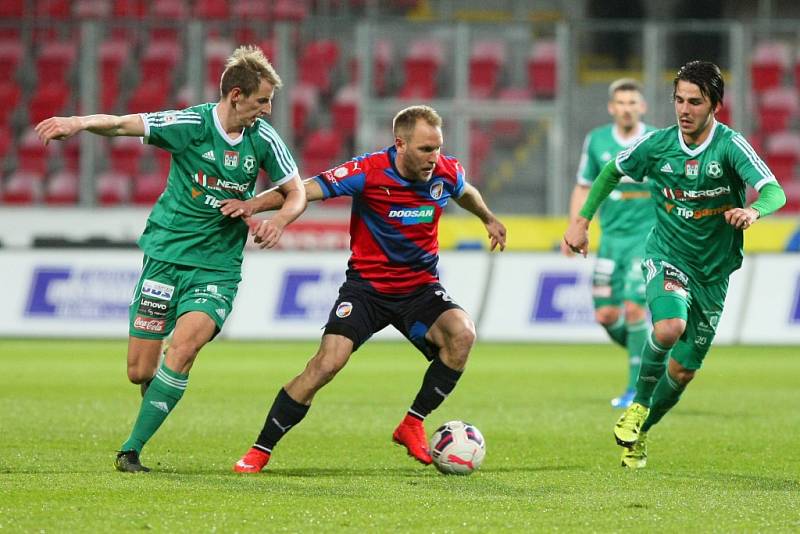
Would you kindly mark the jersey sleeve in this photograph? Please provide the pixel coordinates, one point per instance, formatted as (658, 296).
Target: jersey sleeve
(461, 181)
(748, 165)
(634, 160)
(276, 159)
(588, 169)
(345, 180)
(172, 130)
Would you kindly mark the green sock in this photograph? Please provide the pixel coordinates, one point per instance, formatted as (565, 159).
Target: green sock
(654, 358)
(637, 337)
(617, 331)
(668, 392)
(161, 397)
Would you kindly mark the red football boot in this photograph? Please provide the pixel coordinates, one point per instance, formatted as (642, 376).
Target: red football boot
(253, 462)
(410, 433)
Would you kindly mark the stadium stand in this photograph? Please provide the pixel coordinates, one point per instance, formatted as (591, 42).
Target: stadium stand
(61, 189)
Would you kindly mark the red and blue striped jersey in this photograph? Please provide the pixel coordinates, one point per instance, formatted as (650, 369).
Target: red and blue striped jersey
(394, 224)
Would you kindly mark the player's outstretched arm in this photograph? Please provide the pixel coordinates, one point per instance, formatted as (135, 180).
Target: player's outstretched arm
(472, 201)
(576, 201)
(576, 238)
(771, 198)
(57, 128)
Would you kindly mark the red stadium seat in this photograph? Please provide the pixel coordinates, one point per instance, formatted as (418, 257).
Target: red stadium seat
(248, 10)
(542, 69)
(510, 131)
(147, 188)
(782, 152)
(344, 110)
(162, 158)
(769, 64)
(305, 102)
(11, 52)
(317, 63)
(382, 59)
(92, 9)
(290, 10)
(270, 50)
(212, 9)
(421, 68)
(113, 188)
(62, 189)
(48, 100)
(12, 9)
(168, 17)
(320, 151)
(5, 142)
(54, 61)
(112, 56)
(9, 98)
(159, 61)
(422, 89)
(217, 52)
(33, 155)
(480, 146)
(129, 8)
(485, 64)
(22, 187)
(71, 153)
(776, 108)
(792, 190)
(148, 97)
(53, 9)
(125, 154)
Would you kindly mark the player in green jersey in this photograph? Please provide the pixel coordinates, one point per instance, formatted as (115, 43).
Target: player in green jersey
(625, 218)
(698, 171)
(193, 253)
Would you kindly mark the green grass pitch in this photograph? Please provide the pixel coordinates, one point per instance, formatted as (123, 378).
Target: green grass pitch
(727, 459)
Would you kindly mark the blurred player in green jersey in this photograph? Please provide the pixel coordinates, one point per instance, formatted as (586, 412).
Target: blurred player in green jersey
(193, 253)
(626, 218)
(698, 171)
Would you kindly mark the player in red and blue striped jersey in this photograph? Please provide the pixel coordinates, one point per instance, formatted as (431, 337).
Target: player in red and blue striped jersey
(398, 196)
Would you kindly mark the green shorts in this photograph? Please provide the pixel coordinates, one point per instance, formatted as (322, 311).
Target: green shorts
(672, 294)
(617, 276)
(166, 291)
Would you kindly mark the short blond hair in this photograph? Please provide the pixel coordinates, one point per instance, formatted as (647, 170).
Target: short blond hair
(624, 84)
(245, 69)
(405, 121)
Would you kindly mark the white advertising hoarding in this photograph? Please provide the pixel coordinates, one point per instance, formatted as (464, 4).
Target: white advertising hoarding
(288, 295)
(772, 314)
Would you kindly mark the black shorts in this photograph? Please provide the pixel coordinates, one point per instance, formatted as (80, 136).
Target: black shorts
(360, 311)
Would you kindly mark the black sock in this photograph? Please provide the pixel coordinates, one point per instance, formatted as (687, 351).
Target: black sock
(284, 414)
(439, 381)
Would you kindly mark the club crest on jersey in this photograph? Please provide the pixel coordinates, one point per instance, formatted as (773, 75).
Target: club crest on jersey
(714, 169)
(692, 168)
(436, 190)
(231, 159)
(249, 164)
(344, 309)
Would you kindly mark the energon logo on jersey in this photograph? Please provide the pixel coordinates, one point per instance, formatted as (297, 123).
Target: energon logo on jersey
(212, 182)
(422, 214)
(686, 194)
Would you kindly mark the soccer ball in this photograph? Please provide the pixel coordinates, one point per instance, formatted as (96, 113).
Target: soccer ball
(457, 448)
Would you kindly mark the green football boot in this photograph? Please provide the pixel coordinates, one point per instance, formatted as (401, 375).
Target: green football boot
(636, 457)
(626, 431)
